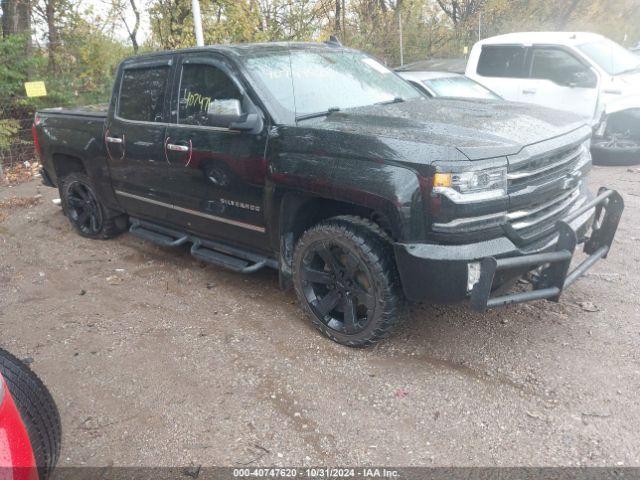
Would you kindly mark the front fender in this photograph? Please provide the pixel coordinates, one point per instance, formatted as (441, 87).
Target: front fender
(362, 171)
(614, 104)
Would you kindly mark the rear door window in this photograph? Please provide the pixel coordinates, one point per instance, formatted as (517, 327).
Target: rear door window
(505, 61)
(142, 94)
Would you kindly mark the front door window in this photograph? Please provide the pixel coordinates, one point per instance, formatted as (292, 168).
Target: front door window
(208, 97)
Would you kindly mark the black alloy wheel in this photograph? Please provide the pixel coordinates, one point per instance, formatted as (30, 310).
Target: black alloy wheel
(346, 280)
(615, 150)
(83, 209)
(338, 288)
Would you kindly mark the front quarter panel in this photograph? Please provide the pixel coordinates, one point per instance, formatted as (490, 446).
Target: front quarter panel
(361, 170)
(616, 104)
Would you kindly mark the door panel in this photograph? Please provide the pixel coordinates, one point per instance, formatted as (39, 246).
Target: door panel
(138, 169)
(217, 174)
(134, 140)
(559, 80)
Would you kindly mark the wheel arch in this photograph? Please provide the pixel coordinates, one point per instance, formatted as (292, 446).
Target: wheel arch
(299, 212)
(65, 163)
(624, 120)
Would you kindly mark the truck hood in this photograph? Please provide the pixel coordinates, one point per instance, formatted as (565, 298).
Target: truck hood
(479, 129)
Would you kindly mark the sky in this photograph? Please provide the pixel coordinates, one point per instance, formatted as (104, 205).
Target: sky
(101, 7)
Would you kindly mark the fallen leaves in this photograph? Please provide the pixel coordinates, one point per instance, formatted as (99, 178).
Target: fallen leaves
(20, 173)
(14, 203)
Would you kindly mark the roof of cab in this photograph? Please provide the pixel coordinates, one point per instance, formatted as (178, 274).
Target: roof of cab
(243, 49)
(548, 38)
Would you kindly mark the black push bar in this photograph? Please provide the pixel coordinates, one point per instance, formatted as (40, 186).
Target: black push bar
(554, 265)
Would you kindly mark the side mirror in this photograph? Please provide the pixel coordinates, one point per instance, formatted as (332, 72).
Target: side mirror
(586, 79)
(250, 122)
(228, 113)
(224, 112)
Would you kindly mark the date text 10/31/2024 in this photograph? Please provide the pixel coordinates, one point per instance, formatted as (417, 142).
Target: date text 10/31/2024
(312, 472)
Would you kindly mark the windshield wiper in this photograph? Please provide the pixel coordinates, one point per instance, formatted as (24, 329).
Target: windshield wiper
(390, 102)
(327, 112)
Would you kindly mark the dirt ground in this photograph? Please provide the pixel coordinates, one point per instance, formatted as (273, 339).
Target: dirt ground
(156, 359)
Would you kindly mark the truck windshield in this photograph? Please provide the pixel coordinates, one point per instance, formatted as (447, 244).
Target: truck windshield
(611, 57)
(307, 82)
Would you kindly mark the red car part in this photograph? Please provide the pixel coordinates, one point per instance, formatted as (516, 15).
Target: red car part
(16, 455)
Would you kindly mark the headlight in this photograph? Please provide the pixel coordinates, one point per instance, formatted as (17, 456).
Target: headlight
(472, 186)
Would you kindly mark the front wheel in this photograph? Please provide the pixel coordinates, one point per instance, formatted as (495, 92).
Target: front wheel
(346, 281)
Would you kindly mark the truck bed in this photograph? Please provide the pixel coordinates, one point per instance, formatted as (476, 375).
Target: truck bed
(94, 111)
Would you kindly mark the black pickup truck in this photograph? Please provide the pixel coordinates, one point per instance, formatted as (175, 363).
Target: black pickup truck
(318, 161)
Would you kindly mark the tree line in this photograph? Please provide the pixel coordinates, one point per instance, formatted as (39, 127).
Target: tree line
(75, 45)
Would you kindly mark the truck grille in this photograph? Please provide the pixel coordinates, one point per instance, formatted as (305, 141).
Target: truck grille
(543, 168)
(538, 219)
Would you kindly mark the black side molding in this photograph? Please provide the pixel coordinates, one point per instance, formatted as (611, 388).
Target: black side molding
(554, 266)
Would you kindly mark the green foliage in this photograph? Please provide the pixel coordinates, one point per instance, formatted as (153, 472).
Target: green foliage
(81, 67)
(87, 63)
(8, 130)
(15, 66)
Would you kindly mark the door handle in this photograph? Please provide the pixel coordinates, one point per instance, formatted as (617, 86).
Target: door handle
(177, 148)
(118, 141)
(529, 91)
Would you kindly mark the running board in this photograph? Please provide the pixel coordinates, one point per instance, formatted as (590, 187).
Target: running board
(229, 257)
(157, 234)
(217, 253)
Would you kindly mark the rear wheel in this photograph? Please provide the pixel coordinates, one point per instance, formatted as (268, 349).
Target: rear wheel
(346, 280)
(85, 211)
(37, 409)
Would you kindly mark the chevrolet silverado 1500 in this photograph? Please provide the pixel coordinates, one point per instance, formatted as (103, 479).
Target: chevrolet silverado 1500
(318, 161)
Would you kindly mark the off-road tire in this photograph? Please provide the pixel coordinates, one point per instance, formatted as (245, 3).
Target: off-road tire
(37, 409)
(372, 247)
(112, 223)
(605, 156)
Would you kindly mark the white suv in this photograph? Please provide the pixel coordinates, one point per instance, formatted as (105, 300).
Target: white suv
(583, 73)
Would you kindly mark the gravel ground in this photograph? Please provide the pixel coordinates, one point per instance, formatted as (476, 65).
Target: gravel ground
(156, 359)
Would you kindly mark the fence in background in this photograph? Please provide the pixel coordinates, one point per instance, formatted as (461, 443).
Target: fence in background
(17, 151)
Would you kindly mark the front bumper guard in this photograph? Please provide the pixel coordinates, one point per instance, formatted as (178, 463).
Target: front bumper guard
(554, 275)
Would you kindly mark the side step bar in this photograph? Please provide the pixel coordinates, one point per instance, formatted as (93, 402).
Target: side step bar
(217, 253)
(157, 234)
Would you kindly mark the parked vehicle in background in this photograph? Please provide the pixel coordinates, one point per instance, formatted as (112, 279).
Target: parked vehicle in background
(449, 65)
(30, 431)
(318, 161)
(444, 84)
(583, 73)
